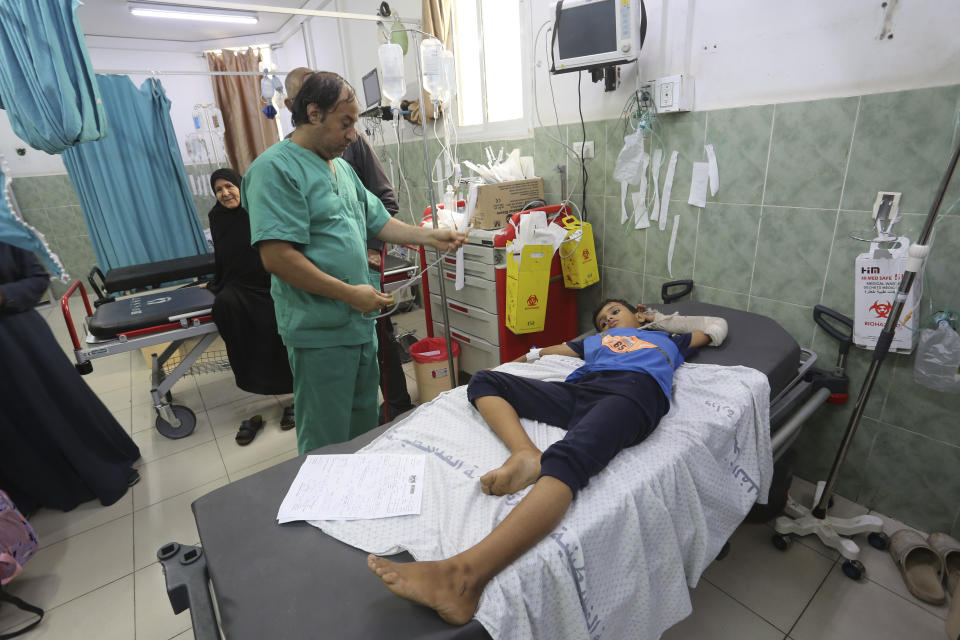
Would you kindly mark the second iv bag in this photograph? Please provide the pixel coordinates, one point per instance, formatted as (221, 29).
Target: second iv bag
(391, 69)
(431, 59)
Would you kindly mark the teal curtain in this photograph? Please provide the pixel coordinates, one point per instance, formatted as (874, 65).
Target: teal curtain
(132, 185)
(13, 230)
(47, 84)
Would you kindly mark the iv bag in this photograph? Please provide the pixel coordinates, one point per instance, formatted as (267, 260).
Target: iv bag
(937, 364)
(431, 59)
(630, 160)
(391, 70)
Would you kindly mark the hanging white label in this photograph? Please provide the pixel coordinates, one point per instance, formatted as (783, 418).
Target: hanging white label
(698, 185)
(657, 161)
(673, 242)
(714, 171)
(667, 188)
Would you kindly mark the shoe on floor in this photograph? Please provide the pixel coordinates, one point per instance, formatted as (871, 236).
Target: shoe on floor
(953, 615)
(919, 564)
(248, 430)
(288, 421)
(948, 548)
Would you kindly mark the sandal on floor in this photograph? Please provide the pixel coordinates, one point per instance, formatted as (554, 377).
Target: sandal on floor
(287, 422)
(248, 430)
(948, 548)
(920, 566)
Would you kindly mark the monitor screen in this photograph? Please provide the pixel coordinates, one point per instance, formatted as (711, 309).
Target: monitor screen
(371, 89)
(588, 29)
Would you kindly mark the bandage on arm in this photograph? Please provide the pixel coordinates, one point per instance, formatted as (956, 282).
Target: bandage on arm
(716, 328)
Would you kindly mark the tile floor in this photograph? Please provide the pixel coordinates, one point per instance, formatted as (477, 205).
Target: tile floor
(97, 576)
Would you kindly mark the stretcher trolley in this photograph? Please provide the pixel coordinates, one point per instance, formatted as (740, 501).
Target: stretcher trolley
(149, 275)
(321, 587)
(180, 317)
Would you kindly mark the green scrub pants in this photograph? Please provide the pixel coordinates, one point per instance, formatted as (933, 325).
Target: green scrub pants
(335, 393)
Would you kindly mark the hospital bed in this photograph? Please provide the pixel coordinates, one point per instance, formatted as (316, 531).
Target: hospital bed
(149, 275)
(178, 318)
(292, 581)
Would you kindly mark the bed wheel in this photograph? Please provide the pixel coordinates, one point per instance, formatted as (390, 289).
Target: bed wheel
(187, 423)
(853, 569)
(878, 540)
(84, 368)
(781, 541)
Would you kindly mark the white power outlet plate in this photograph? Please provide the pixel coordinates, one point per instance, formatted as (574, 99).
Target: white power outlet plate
(673, 93)
(583, 149)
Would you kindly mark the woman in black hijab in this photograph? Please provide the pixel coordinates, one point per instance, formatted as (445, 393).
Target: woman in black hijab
(59, 445)
(243, 309)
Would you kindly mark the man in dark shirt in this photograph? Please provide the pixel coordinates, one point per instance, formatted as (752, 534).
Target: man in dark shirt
(361, 156)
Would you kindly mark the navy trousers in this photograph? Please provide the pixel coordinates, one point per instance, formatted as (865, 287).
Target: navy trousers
(599, 423)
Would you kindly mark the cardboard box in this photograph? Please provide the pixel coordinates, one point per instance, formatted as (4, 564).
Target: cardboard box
(497, 202)
(528, 282)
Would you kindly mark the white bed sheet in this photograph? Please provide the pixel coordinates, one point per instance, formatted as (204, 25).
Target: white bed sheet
(635, 538)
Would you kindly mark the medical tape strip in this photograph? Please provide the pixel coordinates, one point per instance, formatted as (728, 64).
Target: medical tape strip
(623, 206)
(673, 242)
(698, 185)
(667, 188)
(714, 172)
(458, 285)
(640, 218)
(657, 161)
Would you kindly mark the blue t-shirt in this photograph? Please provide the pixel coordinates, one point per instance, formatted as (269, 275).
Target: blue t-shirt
(613, 359)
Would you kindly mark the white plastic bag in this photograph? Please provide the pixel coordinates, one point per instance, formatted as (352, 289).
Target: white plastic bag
(938, 359)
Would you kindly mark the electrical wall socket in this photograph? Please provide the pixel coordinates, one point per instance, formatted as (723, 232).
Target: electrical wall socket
(583, 149)
(673, 93)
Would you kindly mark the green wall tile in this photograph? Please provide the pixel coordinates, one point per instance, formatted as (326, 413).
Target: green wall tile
(817, 446)
(792, 254)
(658, 243)
(913, 478)
(652, 287)
(797, 320)
(711, 295)
(623, 246)
(620, 283)
(902, 143)
(918, 408)
(28, 192)
(741, 139)
(809, 153)
(726, 246)
(547, 155)
(597, 185)
(38, 219)
(684, 133)
(943, 266)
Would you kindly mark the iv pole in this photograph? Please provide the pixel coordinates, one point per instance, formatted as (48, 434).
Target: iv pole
(816, 520)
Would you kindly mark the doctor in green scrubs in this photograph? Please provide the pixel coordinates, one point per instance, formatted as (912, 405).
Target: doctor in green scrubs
(310, 216)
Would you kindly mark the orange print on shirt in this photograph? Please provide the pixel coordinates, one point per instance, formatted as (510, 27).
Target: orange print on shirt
(625, 344)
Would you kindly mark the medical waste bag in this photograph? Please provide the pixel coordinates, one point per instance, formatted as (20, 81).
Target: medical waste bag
(937, 365)
(578, 255)
(431, 367)
(18, 543)
(877, 282)
(528, 282)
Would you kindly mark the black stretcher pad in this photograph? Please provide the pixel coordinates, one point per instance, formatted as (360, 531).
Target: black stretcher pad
(140, 312)
(293, 581)
(155, 274)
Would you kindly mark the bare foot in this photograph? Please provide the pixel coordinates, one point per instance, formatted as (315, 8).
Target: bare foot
(519, 472)
(444, 586)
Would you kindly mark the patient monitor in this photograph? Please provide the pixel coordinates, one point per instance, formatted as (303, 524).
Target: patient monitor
(596, 33)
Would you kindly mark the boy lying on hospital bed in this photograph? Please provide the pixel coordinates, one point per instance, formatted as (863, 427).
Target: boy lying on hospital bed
(615, 400)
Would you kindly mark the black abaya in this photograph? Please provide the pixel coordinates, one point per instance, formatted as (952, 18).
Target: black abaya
(243, 309)
(59, 445)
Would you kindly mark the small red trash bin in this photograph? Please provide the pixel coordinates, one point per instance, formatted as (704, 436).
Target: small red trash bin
(430, 366)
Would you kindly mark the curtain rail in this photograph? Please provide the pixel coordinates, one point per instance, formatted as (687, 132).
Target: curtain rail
(126, 72)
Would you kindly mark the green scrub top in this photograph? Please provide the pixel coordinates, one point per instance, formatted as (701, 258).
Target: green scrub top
(292, 194)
